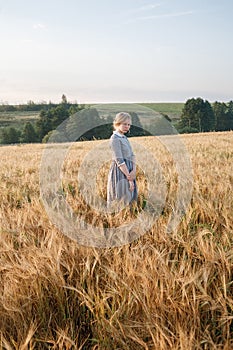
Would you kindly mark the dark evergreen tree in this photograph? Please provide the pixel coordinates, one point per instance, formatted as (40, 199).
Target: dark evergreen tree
(230, 115)
(75, 108)
(230, 107)
(55, 118)
(58, 115)
(197, 114)
(64, 99)
(29, 134)
(207, 117)
(10, 136)
(224, 115)
(220, 111)
(44, 124)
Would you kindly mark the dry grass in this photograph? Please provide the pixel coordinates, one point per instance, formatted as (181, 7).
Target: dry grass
(159, 292)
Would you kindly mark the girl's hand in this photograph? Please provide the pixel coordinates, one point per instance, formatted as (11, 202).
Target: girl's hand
(131, 186)
(131, 176)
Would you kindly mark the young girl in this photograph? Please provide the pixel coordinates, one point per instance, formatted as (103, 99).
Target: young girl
(121, 178)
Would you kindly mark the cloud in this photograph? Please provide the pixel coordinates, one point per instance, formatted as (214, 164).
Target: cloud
(165, 15)
(145, 8)
(39, 26)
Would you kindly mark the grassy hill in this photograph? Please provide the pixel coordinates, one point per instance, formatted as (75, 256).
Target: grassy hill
(161, 291)
(173, 110)
(18, 119)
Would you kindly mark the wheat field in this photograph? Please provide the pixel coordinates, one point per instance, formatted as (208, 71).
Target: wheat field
(162, 291)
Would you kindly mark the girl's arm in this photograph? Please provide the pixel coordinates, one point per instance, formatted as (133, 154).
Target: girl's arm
(133, 172)
(117, 153)
(125, 170)
(131, 185)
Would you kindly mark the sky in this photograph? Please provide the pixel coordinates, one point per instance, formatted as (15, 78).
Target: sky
(111, 51)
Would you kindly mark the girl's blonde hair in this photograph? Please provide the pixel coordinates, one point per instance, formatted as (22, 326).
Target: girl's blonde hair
(121, 118)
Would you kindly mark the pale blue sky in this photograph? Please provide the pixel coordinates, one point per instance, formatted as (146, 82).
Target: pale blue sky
(116, 51)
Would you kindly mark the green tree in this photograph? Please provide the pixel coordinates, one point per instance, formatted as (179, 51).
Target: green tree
(55, 136)
(207, 117)
(29, 134)
(85, 125)
(58, 115)
(64, 99)
(51, 119)
(75, 108)
(197, 114)
(224, 115)
(10, 135)
(230, 115)
(220, 111)
(230, 107)
(188, 130)
(44, 124)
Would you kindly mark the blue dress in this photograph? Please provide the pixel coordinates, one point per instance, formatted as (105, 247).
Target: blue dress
(118, 184)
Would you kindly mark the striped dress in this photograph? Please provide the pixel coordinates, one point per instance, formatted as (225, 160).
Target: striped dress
(118, 185)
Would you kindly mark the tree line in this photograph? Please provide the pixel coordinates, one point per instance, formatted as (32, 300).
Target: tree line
(32, 106)
(50, 119)
(198, 115)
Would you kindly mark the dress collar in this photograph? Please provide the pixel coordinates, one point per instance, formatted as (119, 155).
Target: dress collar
(118, 134)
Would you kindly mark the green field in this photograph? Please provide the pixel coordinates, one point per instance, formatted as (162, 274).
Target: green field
(145, 111)
(173, 110)
(17, 119)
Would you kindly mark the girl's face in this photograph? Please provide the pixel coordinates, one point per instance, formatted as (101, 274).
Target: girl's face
(124, 127)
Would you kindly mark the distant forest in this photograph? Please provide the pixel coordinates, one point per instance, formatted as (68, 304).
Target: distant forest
(197, 115)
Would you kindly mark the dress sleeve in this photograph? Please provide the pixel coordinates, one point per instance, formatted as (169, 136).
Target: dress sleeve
(115, 145)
